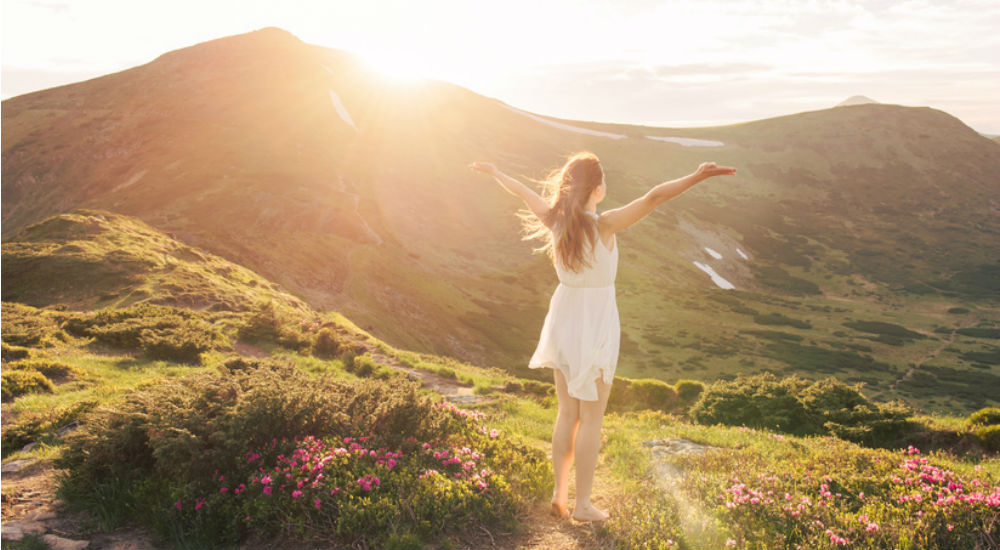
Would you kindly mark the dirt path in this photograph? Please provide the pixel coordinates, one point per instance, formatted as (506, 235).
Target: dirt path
(929, 356)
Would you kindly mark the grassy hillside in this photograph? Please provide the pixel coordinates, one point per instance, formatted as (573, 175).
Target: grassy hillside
(187, 411)
(855, 216)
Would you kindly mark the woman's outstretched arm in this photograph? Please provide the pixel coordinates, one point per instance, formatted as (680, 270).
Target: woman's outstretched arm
(613, 221)
(535, 203)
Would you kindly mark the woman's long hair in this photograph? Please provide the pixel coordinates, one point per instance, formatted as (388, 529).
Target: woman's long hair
(567, 191)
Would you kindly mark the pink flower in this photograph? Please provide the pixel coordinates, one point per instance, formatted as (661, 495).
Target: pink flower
(296, 494)
(223, 490)
(317, 504)
(950, 527)
(872, 527)
(266, 480)
(177, 505)
(730, 543)
(267, 489)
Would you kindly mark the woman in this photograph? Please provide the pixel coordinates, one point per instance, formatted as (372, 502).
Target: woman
(580, 336)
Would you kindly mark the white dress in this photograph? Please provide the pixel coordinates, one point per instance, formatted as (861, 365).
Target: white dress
(582, 332)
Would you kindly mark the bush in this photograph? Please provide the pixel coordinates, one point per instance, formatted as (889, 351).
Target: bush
(183, 344)
(266, 322)
(28, 326)
(327, 343)
(780, 319)
(16, 383)
(689, 390)
(161, 332)
(989, 436)
(53, 370)
(633, 395)
(989, 416)
(844, 412)
(760, 401)
(793, 405)
(13, 353)
(34, 426)
(190, 455)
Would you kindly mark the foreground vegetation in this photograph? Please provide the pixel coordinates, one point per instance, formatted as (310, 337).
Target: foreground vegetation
(323, 445)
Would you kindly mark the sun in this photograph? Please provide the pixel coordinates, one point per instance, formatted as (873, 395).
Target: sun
(400, 67)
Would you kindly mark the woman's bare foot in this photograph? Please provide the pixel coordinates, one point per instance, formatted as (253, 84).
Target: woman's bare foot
(559, 510)
(587, 512)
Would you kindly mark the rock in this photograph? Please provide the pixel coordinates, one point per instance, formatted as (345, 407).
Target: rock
(68, 428)
(16, 530)
(59, 543)
(42, 514)
(29, 446)
(17, 465)
(662, 449)
(11, 531)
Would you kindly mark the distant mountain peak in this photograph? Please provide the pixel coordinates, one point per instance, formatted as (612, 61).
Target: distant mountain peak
(857, 100)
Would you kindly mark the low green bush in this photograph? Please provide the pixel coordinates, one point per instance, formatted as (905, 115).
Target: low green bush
(759, 401)
(13, 353)
(988, 416)
(327, 343)
(793, 405)
(32, 426)
(183, 344)
(634, 395)
(161, 332)
(18, 382)
(989, 436)
(689, 390)
(268, 322)
(28, 326)
(211, 457)
(53, 370)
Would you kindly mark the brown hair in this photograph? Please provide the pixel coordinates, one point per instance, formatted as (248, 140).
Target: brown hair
(567, 226)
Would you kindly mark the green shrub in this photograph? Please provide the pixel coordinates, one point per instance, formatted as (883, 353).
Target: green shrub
(634, 395)
(53, 370)
(28, 326)
(844, 412)
(18, 382)
(689, 390)
(989, 416)
(183, 344)
(34, 426)
(185, 456)
(162, 332)
(780, 319)
(793, 405)
(13, 353)
(267, 322)
(759, 401)
(327, 343)
(990, 437)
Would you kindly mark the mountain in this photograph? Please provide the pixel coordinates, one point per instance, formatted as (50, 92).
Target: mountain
(857, 100)
(354, 193)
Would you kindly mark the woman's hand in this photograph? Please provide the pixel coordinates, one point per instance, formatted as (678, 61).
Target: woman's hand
(709, 169)
(487, 168)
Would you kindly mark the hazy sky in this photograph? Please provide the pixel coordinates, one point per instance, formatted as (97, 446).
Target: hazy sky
(666, 63)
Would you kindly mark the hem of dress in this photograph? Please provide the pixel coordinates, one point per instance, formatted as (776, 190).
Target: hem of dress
(602, 372)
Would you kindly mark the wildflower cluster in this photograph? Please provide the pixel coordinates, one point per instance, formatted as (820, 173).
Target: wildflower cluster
(362, 488)
(865, 499)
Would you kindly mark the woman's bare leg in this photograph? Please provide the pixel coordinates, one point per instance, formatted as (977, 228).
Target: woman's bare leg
(588, 443)
(563, 440)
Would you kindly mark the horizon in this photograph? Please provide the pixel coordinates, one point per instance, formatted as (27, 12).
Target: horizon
(643, 63)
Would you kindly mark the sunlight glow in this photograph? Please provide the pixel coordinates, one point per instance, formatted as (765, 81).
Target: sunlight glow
(403, 68)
